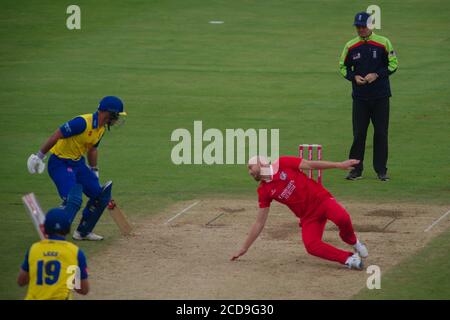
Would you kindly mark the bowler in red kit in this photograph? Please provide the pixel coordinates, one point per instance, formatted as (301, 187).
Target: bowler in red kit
(283, 181)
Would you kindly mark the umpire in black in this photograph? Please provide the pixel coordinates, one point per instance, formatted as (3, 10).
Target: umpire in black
(367, 61)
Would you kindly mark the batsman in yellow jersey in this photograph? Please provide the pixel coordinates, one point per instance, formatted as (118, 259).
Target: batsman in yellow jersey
(54, 267)
(67, 166)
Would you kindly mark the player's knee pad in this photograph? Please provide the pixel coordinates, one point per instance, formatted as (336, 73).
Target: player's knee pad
(98, 204)
(94, 209)
(105, 195)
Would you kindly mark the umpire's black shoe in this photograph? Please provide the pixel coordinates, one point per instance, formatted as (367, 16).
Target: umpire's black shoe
(354, 175)
(383, 177)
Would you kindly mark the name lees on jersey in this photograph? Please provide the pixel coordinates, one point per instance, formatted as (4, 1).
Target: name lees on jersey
(51, 254)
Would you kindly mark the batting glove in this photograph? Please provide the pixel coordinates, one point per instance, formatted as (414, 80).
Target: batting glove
(36, 163)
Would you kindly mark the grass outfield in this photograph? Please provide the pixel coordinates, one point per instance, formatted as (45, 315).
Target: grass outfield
(422, 276)
(272, 64)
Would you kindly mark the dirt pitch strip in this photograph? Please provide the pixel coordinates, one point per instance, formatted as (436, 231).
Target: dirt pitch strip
(188, 258)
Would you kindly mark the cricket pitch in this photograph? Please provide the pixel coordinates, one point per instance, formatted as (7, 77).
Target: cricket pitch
(188, 259)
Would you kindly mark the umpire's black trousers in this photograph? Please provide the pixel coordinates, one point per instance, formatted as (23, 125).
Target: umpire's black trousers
(377, 111)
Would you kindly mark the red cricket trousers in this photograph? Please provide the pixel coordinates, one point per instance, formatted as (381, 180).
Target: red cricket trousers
(314, 226)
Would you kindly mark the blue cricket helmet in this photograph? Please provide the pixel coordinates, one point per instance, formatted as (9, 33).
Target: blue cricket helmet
(57, 221)
(112, 104)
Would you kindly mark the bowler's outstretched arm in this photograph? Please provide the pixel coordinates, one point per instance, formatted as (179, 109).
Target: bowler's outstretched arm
(320, 165)
(256, 229)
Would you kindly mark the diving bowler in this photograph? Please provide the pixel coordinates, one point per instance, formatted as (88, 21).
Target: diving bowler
(284, 182)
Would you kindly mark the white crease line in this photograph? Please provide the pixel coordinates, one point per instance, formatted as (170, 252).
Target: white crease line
(182, 211)
(436, 222)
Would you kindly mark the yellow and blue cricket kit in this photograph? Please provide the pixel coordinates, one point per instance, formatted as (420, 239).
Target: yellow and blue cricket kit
(67, 164)
(47, 263)
(80, 134)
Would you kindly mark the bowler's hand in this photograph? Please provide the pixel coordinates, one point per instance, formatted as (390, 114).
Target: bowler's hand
(239, 254)
(360, 80)
(371, 77)
(348, 164)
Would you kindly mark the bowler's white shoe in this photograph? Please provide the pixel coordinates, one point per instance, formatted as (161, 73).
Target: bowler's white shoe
(361, 249)
(354, 262)
(90, 236)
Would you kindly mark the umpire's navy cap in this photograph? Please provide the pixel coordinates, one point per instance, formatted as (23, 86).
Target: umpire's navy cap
(361, 19)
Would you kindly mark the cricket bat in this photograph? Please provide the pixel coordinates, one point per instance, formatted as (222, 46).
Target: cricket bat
(119, 218)
(36, 214)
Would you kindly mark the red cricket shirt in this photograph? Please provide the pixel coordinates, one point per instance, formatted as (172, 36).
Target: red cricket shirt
(292, 187)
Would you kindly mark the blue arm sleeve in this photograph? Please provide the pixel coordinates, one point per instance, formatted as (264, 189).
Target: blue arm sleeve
(73, 127)
(82, 264)
(25, 265)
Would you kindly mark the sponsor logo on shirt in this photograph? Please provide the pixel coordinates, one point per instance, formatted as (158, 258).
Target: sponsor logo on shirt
(356, 56)
(287, 192)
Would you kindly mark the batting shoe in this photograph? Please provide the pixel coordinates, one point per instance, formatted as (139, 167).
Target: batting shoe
(90, 236)
(361, 249)
(354, 262)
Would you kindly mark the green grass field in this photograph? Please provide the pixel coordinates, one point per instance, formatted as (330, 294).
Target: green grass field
(422, 276)
(272, 64)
